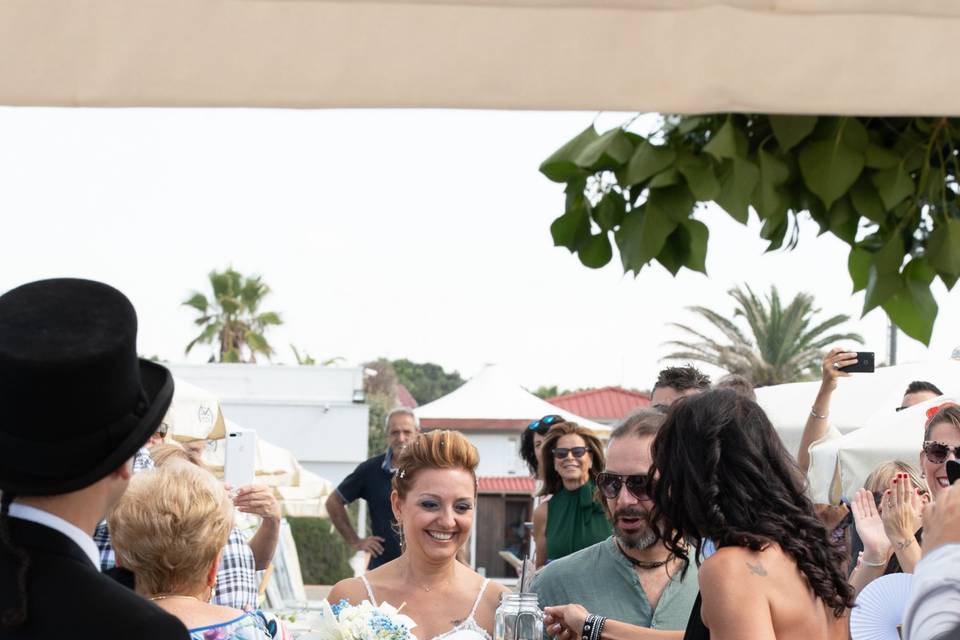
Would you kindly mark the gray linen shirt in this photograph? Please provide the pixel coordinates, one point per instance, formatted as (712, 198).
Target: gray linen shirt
(603, 581)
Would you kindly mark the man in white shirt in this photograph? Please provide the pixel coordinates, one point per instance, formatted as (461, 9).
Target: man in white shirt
(76, 403)
(933, 611)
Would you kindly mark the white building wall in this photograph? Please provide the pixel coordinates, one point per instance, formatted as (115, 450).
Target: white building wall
(499, 453)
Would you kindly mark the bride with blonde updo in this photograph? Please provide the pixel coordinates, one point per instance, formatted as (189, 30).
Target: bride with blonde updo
(434, 500)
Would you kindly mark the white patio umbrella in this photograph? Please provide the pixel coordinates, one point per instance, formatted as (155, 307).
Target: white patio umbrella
(194, 413)
(865, 57)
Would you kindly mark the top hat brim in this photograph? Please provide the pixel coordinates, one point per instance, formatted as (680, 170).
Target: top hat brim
(123, 439)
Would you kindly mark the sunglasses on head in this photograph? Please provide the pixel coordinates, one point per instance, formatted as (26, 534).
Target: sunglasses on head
(611, 483)
(937, 452)
(545, 423)
(561, 452)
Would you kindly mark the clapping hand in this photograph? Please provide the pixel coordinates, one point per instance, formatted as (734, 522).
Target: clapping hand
(870, 528)
(565, 622)
(902, 507)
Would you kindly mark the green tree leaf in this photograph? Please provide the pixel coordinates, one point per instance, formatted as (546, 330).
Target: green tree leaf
(866, 201)
(726, 143)
(647, 161)
(698, 171)
(560, 166)
(829, 168)
(893, 185)
(913, 308)
(676, 250)
(791, 130)
(571, 229)
(738, 179)
(878, 157)
(858, 264)
(664, 179)
(889, 258)
(770, 201)
(610, 210)
(844, 221)
(880, 288)
(642, 236)
(595, 252)
(675, 203)
(610, 151)
(699, 237)
(943, 247)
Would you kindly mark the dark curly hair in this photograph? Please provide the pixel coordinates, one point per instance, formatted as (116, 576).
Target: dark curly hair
(722, 473)
(527, 450)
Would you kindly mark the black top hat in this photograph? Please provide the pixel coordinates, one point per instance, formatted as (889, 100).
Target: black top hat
(75, 400)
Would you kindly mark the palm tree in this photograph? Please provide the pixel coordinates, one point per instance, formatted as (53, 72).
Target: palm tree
(233, 316)
(784, 346)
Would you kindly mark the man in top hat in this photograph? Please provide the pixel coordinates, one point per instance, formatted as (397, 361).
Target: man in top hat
(75, 406)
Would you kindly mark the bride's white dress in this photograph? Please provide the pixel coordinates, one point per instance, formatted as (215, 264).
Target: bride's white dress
(466, 630)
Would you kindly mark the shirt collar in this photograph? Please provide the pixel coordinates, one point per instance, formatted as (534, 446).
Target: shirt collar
(47, 519)
(388, 461)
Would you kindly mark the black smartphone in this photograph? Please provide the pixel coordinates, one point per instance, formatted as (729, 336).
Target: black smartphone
(864, 363)
(953, 471)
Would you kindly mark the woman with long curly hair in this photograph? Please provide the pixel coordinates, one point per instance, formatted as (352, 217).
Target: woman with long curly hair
(721, 473)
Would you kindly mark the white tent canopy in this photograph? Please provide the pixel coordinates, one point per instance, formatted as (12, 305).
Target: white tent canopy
(863, 409)
(787, 56)
(493, 400)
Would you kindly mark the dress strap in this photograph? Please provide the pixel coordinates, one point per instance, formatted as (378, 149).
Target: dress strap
(476, 603)
(366, 584)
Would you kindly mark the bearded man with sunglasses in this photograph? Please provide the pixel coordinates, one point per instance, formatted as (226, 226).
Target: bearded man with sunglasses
(629, 580)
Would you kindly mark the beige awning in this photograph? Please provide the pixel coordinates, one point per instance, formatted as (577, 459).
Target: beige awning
(684, 56)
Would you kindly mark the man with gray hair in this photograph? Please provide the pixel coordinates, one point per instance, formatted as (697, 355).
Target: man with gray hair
(371, 480)
(631, 577)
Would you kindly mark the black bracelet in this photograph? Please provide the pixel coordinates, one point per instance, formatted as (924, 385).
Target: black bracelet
(598, 627)
(588, 627)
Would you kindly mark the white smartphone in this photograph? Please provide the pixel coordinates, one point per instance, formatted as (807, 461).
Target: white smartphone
(239, 466)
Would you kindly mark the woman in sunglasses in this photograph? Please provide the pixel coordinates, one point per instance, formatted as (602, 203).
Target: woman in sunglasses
(890, 518)
(570, 458)
(720, 472)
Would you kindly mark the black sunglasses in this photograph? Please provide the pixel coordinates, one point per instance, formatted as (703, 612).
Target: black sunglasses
(937, 452)
(611, 483)
(561, 452)
(545, 423)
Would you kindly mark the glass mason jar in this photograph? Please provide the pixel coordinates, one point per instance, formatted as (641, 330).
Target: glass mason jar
(518, 618)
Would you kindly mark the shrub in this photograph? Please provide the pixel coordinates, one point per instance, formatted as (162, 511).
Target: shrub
(324, 556)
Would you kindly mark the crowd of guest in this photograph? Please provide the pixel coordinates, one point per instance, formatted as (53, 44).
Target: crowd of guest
(691, 521)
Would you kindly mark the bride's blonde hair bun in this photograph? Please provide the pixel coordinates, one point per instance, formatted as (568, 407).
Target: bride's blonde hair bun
(440, 449)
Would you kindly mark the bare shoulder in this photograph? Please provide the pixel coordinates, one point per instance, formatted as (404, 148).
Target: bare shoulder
(541, 511)
(349, 589)
(493, 593)
(733, 562)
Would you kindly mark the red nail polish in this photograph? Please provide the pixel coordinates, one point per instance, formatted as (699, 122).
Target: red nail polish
(895, 481)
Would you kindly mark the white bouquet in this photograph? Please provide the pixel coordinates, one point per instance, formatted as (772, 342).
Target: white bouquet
(364, 621)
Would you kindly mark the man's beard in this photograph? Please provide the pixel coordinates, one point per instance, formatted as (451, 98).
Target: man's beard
(638, 539)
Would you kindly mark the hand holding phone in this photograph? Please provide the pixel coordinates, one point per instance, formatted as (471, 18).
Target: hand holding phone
(864, 364)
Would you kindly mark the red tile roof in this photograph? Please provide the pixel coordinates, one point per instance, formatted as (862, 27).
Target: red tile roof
(405, 398)
(606, 404)
(512, 485)
(474, 424)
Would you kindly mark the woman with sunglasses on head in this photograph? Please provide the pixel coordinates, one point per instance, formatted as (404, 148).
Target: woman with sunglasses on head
(889, 520)
(721, 472)
(532, 439)
(571, 457)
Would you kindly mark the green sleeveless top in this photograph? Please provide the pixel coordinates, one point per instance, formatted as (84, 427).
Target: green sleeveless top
(574, 521)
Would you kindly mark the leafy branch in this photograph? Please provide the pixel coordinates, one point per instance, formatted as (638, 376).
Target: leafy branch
(887, 187)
